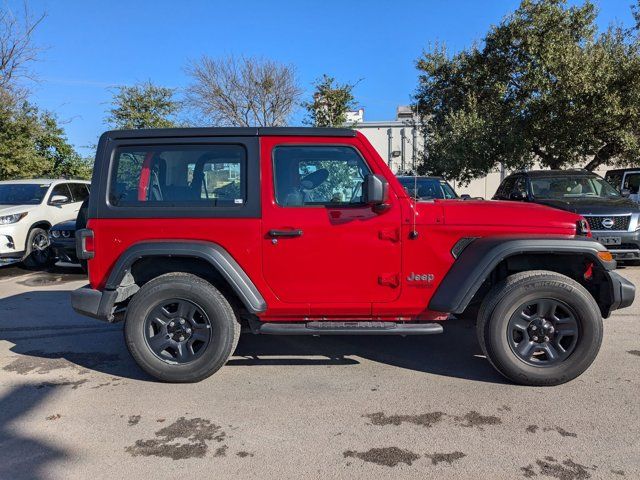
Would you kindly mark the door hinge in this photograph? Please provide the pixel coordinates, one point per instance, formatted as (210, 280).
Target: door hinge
(391, 234)
(389, 280)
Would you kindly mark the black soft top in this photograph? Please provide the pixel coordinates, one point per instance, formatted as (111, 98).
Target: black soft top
(231, 132)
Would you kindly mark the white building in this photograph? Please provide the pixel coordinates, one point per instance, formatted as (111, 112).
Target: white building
(399, 143)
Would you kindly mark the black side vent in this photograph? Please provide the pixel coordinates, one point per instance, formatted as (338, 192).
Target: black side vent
(460, 245)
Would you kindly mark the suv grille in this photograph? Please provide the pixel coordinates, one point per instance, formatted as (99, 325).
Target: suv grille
(619, 223)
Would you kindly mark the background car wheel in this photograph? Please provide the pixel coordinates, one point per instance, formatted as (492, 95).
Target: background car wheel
(38, 253)
(540, 328)
(180, 328)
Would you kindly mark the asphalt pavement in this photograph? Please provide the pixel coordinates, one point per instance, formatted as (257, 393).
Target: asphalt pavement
(73, 404)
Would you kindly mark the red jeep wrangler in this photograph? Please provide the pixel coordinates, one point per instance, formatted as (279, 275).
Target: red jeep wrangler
(193, 233)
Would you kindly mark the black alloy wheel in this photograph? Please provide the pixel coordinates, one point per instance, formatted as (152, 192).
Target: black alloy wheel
(177, 330)
(543, 332)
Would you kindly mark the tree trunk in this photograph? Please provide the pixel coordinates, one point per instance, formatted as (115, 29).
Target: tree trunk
(601, 157)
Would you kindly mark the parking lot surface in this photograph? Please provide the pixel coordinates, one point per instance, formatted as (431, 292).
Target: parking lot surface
(73, 404)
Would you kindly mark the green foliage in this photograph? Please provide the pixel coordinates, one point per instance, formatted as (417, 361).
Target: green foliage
(32, 144)
(331, 102)
(543, 86)
(143, 106)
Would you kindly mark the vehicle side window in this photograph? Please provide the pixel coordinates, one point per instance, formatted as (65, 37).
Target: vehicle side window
(318, 175)
(505, 188)
(61, 189)
(614, 179)
(79, 191)
(520, 187)
(211, 175)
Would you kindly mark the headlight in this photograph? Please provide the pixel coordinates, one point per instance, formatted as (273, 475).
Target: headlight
(582, 228)
(7, 219)
(66, 233)
(55, 233)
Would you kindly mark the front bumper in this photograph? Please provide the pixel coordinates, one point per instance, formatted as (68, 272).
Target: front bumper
(629, 249)
(94, 303)
(12, 239)
(64, 250)
(623, 292)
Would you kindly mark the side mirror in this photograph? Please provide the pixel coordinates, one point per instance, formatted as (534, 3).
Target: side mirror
(465, 196)
(625, 192)
(518, 196)
(59, 199)
(375, 190)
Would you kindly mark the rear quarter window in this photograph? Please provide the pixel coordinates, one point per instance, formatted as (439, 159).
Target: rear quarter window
(207, 176)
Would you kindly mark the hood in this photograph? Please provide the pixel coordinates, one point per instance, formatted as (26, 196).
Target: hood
(68, 225)
(593, 206)
(11, 209)
(496, 213)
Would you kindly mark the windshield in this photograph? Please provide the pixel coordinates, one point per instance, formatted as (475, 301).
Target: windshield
(572, 187)
(22, 193)
(428, 188)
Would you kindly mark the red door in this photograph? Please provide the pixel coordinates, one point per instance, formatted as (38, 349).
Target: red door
(321, 245)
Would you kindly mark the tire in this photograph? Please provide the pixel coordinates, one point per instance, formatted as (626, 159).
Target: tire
(202, 358)
(500, 323)
(37, 257)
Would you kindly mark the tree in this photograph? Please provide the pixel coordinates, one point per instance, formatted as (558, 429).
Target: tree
(144, 105)
(243, 92)
(17, 49)
(543, 86)
(32, 144)
(331, 102)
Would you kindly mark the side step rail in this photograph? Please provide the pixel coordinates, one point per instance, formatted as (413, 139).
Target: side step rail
(346, 328)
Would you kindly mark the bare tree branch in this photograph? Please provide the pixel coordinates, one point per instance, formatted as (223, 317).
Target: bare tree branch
(17, 50)
(242, 92)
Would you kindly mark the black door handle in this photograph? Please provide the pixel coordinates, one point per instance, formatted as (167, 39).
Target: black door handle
(285, 233)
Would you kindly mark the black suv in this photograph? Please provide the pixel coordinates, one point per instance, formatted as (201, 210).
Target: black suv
(427, 188)
(614, 219)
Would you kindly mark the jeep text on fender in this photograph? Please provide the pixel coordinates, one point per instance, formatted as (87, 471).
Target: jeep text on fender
(195, 232)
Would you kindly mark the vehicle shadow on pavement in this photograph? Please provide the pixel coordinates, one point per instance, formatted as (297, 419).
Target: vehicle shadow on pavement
(24, 457)
(454, 353)
(43, 327)
(49, 336)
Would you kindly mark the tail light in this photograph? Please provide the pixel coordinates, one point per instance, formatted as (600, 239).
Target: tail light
(84, 244)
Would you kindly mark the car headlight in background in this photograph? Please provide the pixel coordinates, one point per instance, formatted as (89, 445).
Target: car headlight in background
(8, 219)
(582, 228)
(60, 233)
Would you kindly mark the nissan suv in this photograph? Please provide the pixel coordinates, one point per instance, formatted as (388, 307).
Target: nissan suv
(613, 218)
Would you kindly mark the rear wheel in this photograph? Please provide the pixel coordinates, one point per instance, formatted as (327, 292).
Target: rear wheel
(38, 252)
(180, 328)
(540, 328)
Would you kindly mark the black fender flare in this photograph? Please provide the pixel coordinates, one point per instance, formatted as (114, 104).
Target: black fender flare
(212, 253)
(478, 259)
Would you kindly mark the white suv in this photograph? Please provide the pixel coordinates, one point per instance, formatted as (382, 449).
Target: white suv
(28, 208)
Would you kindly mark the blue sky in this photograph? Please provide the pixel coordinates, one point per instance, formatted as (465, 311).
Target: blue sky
(93, 45)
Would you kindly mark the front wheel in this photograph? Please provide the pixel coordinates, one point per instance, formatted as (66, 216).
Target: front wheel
(38, 252)
(180, 328)
(540, 328)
